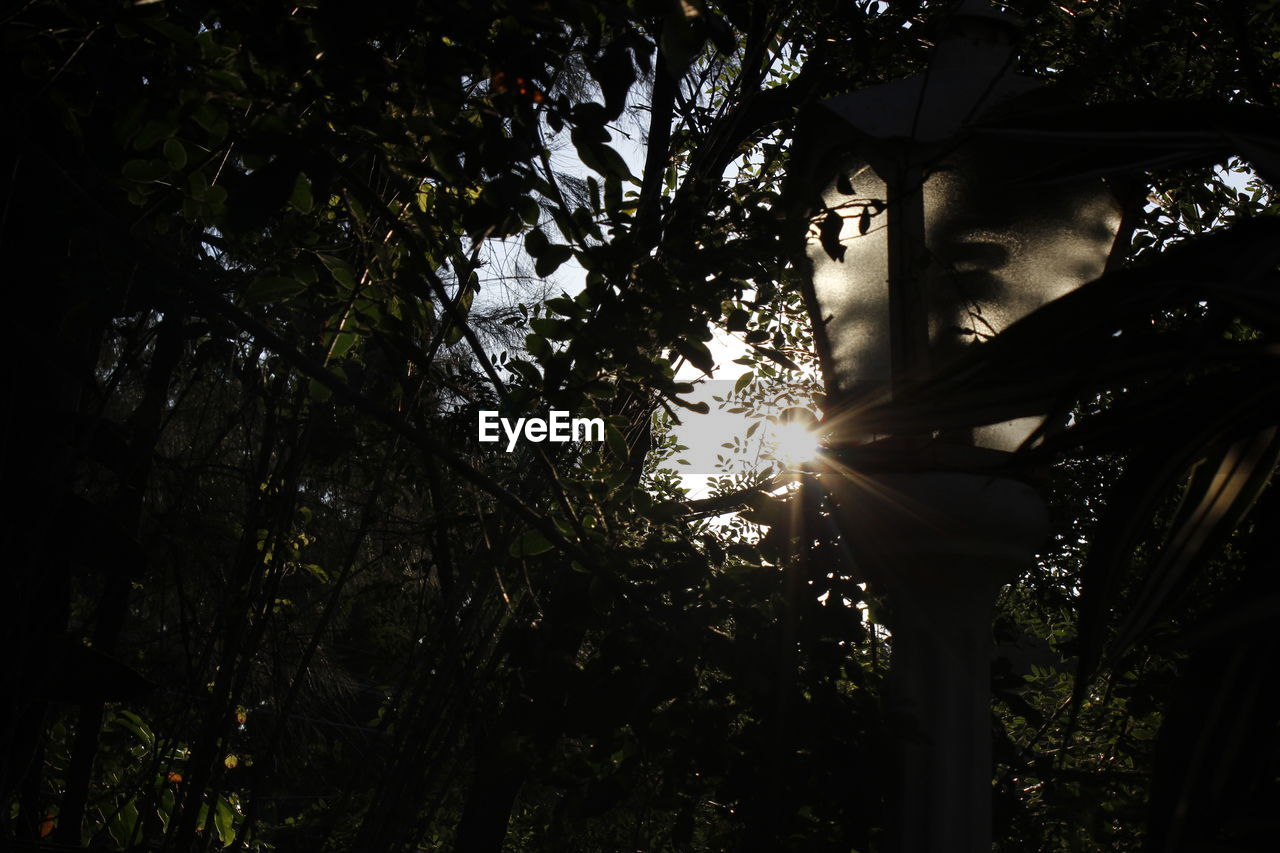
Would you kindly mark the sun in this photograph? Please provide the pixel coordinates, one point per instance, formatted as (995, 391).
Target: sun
(793, 443)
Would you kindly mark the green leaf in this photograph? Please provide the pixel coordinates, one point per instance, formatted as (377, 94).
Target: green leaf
(339, 269)
(318, 391)
(598, 156)
(530, 544)
(617, 442)
(526, 371)
(224, 821)
(530, 213)
(134, 723)
(301, 198)
(553, 330)
(699, 407)
(697, 353)
(154, 131)
(316, 572)
(272, 288)
(123, 823)
(563, 306)
(774, 355)
(176, 153)
(551, 259)
(536, 242)
(342, 343)
(144, 171)
(213, 118)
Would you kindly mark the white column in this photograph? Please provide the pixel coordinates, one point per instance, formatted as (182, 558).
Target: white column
(939, 546)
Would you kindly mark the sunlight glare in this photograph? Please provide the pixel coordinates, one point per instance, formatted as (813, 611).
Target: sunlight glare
(794, 443)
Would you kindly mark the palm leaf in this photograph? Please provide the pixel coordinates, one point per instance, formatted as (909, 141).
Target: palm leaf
(1098, 337)
(1108, 139)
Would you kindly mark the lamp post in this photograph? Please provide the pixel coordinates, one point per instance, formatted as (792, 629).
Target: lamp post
(922, 243)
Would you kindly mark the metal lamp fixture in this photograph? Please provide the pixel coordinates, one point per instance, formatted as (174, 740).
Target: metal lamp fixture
(926, 238)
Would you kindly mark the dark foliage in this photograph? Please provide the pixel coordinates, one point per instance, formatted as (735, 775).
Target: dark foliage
(267, 590)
